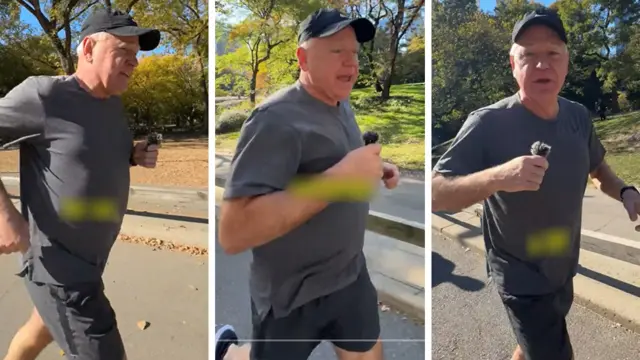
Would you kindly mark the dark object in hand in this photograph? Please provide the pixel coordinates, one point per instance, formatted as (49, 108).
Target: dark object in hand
(154, 139)
(540, 149)
(370, 137)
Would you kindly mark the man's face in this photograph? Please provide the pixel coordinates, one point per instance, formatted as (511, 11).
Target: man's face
(114, 59)
(540, 63)
(332, 63)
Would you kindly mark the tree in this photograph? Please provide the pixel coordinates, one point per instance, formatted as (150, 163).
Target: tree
(399, 23)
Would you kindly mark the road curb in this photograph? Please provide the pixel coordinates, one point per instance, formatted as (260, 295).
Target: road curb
(153, 191)
(607, 301)
(404, 297)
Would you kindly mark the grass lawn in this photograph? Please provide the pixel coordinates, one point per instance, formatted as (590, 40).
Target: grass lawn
(399, 121)
(621, 137)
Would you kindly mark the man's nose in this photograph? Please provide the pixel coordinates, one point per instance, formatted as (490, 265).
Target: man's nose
(542, 65)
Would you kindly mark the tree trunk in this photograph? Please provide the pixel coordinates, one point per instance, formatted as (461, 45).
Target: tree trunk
(203, 83)
(388, 74)
(252, 87)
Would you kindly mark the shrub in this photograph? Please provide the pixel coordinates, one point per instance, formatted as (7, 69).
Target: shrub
(230, 121)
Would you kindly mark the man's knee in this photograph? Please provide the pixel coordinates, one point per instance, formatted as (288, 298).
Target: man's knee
(38, 328)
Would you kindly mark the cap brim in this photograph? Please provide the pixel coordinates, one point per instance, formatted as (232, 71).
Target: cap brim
(365, 31)
(149, 39)
(541, 20)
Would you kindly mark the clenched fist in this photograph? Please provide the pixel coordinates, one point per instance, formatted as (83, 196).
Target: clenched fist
(523, 173)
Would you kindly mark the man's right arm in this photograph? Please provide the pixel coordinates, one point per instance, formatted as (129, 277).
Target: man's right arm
(21, 115)
(257, 208)
(460, 178)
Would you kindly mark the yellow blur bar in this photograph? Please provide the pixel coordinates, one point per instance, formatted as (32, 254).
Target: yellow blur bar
(549, 243)
(321, 188)
(95, 209)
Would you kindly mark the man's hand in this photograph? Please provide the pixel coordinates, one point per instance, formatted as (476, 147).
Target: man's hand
(391, 175)
(631, 202)
(145, 156)
(361, 163)
(523, 173)
(14, 234)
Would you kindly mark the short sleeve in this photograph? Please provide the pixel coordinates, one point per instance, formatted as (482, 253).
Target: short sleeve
(465, 155)
(267, 156)
(21, 111)
(597, 151)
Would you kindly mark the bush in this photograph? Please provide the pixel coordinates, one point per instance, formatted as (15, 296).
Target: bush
(230, 121)
(624, 103)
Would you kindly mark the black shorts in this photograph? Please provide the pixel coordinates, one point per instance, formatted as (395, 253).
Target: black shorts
(539, 323)
(80, 319)
(348, 318)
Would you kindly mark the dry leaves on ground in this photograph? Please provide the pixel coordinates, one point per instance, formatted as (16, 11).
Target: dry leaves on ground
(183, 163)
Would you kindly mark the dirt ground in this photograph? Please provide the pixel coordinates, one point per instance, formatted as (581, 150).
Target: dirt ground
(181, 163)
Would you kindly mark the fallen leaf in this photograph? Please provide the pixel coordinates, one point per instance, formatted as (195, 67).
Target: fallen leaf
(142, 325)
(61, 352)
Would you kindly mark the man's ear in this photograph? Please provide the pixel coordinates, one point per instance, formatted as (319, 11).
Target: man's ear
(301, 54)
(87, 48)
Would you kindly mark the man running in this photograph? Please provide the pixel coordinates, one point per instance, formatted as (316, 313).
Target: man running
(532, 203)
(74, 185)
(309, 281)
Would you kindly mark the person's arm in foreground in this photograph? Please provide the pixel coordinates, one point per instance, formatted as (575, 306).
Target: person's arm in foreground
(460, 179)
(21, 115)
(257, 206)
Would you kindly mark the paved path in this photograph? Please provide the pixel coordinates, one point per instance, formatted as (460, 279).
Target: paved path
(406, 201)
(167, 289)
(469, 321)
(233, 307)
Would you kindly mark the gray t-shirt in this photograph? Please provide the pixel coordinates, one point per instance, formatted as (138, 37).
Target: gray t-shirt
(74, 175)
(291, 134)
(516, 224)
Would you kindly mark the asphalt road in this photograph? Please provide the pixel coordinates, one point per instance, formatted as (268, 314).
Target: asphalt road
(233, 307)
(469, 321)
(405, 201)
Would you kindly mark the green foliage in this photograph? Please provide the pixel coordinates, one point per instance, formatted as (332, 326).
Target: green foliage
(165, 90)
(230, 121)
(471, 64)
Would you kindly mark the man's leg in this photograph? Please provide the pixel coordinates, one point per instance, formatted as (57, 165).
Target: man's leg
(80, 320)
(356, 331)
(539, 324)
(30, 340)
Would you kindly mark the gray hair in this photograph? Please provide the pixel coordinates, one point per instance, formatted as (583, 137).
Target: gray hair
(96, 37)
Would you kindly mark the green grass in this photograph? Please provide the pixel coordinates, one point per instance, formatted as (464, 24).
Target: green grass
(623, 151)
(399, 121)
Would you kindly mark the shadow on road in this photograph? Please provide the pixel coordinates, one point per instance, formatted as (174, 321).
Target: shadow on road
(442, 272)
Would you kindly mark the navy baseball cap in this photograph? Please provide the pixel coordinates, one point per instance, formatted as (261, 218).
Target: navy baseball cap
(119, 23)
(541, 16)
(326, 22)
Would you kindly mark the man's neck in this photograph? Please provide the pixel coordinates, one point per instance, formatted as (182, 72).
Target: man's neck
(91, 84)
(315, 92)
(547, 110)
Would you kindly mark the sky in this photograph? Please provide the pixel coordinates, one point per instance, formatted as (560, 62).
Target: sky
(489, 5)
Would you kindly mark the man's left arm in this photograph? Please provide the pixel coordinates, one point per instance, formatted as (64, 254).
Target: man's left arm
(606, 180)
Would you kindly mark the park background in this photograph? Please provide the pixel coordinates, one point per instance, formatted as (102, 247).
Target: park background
(256, 42)
(470, 57)
(167, 92)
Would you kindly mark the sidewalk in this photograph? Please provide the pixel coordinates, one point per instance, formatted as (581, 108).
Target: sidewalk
(608, 279)
(167, 288)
